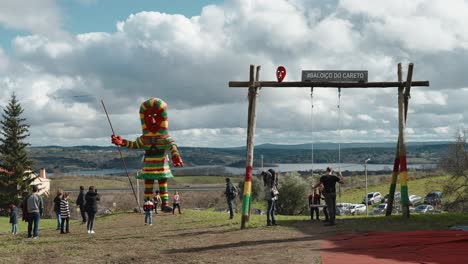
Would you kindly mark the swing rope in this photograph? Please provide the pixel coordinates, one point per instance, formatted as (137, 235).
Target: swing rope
(312, 126)
(339, 139)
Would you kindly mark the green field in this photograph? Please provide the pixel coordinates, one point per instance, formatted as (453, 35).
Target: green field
(418, 187)
(110, 182)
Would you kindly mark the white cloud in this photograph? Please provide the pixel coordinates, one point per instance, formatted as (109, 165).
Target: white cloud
(38, 17)
(188, 61)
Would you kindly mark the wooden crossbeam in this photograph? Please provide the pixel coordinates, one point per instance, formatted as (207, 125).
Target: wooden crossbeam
(238, 84)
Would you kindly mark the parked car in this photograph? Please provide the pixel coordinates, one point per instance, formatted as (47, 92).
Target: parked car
(415, 200)
(424, 209)
(357, 209)
(396, 198)
(373, 198)
(433, 198)
(343, 208)
(380, 209)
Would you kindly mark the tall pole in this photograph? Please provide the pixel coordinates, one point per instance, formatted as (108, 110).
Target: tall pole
(252, 116)
(402, 110)
(261, 157)
(121, 156)
(138, 187)
(396, 162)
(367, 196)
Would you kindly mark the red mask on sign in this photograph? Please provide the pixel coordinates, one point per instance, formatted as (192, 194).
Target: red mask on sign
(280, 73)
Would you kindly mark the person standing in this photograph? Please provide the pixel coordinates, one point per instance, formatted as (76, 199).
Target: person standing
(157, 201)
(80, 201)
(314, 203)
(57, 201)
(35, 207)
(148, 207)
(14, 219)
(329, 190)
(176, 202)
(65, 214)
(91, 207)
(271, 197)
(230, 194)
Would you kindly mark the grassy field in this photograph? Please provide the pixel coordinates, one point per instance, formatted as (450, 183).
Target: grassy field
(419, 187)
(110, 182)
(198, 236)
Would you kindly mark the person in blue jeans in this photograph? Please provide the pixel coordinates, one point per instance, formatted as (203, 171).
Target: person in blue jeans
(271, 197)
(14, 219)
(231, 193)
(148, 207)
(57, 200)
(35, 207)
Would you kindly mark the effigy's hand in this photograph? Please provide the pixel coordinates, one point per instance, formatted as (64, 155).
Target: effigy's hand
(117, 140)
(177, 161)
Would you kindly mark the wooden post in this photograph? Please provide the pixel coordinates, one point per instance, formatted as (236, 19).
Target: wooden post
(251, 123)
(402, 109)
(396, 162)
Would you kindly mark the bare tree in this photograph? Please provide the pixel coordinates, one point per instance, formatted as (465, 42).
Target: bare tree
(456, 165)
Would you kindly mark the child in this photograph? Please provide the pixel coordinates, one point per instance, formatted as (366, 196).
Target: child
(64, 214)
(148, 207)
(14, 219)
(314, 200)
(157, 201)
(176, 202)
(57, 201)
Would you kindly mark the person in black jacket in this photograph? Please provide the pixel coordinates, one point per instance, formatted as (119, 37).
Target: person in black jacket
(91, 199)
(57, 201)
(80, 201)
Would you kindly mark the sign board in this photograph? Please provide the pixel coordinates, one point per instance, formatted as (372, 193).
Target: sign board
(334, 76)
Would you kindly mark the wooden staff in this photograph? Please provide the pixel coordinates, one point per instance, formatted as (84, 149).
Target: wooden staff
(121, 156)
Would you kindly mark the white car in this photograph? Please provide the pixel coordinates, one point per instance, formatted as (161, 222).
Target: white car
(373, 198)
(415, 200)
(424, 209)
(380, 209)
(357, 209)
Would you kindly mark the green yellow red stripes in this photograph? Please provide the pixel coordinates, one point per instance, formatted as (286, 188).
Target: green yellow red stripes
(149, 188)
(404, 181)
(247, 195)
(391, 194)
(163, 192)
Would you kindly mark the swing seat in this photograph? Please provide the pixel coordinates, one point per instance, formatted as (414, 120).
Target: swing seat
(317, 205)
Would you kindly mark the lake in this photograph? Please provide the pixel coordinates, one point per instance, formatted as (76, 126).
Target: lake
(282, 167)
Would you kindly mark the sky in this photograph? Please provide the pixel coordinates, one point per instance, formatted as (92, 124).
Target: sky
(61, 57)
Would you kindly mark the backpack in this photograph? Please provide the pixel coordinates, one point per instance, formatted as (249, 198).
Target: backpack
(234, 192)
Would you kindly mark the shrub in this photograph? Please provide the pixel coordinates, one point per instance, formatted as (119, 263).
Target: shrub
(293, 192)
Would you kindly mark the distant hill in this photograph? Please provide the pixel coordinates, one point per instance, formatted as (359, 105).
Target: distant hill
(65, 159)
(348, 145)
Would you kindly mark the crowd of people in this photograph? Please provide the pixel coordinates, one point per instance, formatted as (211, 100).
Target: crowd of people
(33, 205)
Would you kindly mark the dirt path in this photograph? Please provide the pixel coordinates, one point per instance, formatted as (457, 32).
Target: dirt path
(186, 238)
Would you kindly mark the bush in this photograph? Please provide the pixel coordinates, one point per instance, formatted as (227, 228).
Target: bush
(293, 192)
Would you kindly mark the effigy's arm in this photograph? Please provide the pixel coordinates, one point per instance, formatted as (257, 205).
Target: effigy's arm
(119, 141)
(176, 159)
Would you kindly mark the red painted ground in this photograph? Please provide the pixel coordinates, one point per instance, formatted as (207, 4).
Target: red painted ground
(397, 247)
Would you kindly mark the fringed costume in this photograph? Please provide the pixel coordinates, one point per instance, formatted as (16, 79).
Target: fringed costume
(155, 141)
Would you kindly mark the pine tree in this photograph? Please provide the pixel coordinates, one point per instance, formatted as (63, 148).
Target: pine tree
(14, 159)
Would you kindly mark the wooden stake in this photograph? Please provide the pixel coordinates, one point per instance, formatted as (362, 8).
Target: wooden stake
(396, 162)
(251, 123)
(402, 110)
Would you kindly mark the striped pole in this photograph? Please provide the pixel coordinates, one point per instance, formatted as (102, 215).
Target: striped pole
(402, 113)
(396, 162)
(247, 195)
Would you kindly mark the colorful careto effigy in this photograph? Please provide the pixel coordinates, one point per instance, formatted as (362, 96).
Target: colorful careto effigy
(156, 141)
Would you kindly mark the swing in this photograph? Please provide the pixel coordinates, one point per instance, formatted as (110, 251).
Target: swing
(339, 132)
